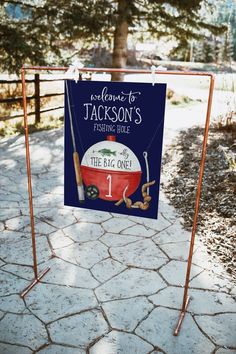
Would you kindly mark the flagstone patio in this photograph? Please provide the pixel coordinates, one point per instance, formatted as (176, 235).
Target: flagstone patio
(116, 283)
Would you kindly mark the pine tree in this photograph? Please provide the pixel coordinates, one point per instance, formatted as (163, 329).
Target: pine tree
(208, 52)
(43, 28)
(216, 49)
(226, 14)
(227, 52)
(198, 53)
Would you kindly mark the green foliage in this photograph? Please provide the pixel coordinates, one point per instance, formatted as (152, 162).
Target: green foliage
(226, 14)
(227, 52)
(39, 33)
(205, 51)
(215, 47)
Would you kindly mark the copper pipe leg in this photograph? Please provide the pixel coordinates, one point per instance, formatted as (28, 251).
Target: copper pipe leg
(34, 282)
(197, 206)
(28, 168)
(181, 317)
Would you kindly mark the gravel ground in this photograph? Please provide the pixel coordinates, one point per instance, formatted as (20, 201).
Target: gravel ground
(217, 217)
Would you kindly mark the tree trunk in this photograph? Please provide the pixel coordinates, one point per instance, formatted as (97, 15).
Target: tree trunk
(119, 57)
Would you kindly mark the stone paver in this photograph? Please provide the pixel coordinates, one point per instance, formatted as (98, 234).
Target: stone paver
(10, 197)
(167, 210)
(209, 280)
(201, 301)
(83, 232)
(58, 349)
(115, 240)
(157, 225)
(8, 213)
(58, 239)
(174, 272)
(25, 330)
(17, 223)
(64, 273)
(130, 283)
(107, 269)
(50, 186)
(226, 351)
(220, 328)
(85, 255)
(202, 258)
(25, 272)
(66, 301)
(139, 230)
(78, 330)
(11, 284)
(12, 303)
(126, 314)
(115, 284)
(13, 349)
(142, 253)
(209, 302)
(171, 296)
(117, 225)
(179, 253)
(158, 330)
(41, 227)
(233, 290)
(21, 253)
(122, 343)
(8, 237)
(1, 226)
(46, 200)
(172, 234)
(93, 216)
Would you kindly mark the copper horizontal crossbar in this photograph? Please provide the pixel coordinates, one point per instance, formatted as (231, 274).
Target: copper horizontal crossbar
(201, 169)
(123, 71)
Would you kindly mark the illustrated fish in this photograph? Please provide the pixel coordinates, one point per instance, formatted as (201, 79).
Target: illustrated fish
(107, 152)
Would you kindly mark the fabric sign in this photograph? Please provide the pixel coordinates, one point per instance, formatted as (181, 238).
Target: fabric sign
(113, 146)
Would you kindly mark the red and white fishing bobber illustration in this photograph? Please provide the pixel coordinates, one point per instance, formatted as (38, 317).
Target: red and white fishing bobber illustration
(108, 169)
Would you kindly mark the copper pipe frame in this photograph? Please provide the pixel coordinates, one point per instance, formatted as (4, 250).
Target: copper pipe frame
(186, 298)
(37, 276)
(197, 204)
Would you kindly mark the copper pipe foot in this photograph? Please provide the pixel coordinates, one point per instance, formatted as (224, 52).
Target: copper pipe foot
(181, 317)
(34, 282)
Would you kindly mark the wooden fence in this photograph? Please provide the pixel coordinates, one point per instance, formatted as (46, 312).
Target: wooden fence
(36, 97)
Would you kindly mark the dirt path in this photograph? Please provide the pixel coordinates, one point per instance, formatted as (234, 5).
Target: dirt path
(184, 130)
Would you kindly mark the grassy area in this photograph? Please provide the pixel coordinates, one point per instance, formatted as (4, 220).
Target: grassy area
(174, 99)
(13, 127)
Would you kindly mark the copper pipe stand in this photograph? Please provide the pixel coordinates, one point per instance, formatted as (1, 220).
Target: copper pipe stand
(200, 178)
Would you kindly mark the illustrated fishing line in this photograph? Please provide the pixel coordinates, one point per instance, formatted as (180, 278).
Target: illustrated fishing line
(76, 127)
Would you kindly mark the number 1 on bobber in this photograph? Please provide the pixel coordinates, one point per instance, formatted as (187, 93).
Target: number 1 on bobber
(109, 195)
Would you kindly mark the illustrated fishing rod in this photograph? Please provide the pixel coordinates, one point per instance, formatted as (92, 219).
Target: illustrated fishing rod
(79, 181)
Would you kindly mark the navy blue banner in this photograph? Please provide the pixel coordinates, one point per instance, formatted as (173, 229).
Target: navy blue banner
(113, 146)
